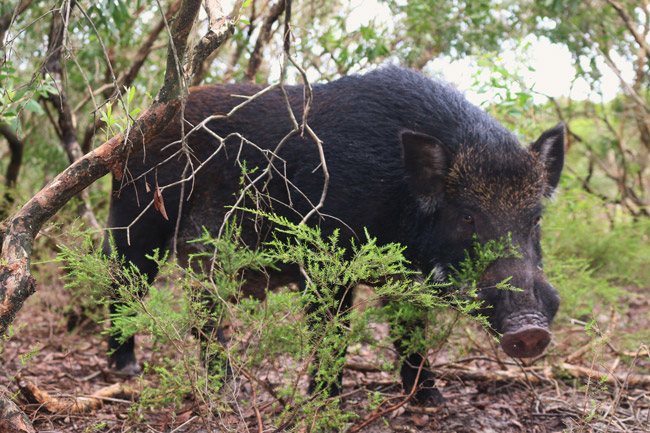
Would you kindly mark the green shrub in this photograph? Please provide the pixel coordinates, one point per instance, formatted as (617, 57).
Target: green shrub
(292, 333)
(593, 251)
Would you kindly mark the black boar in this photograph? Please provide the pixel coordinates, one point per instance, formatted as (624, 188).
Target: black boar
(410, 159)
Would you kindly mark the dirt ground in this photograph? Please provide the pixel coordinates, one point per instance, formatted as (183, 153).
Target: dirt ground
(577, 386)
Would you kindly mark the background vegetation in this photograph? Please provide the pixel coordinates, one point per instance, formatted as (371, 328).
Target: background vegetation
(597, 228)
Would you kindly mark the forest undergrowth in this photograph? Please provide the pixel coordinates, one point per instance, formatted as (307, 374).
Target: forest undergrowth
(593, 376)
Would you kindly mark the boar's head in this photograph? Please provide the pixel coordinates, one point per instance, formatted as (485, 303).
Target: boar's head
(480, 192)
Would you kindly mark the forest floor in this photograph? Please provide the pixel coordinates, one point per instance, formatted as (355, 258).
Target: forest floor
(582, 384)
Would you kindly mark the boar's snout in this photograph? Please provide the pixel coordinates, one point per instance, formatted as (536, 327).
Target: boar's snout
(526, 342)
(525, 334)
(524, 316)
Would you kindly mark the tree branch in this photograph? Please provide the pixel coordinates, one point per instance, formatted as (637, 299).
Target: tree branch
(54, 67)
(629, 23)
(626, 86)
(10, 16)
(16, 281)
(13, 168)
(263, 40)
(16, 149)
(221, 27)
(130, 75)
(75, 404)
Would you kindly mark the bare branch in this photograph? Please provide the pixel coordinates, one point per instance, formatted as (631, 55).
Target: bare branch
(138, 60)
(54, 67)
(203, 67)
(310, 132)
(74, 404)
(66, 125)
(263, 40)
(13, 168)
(16, 149)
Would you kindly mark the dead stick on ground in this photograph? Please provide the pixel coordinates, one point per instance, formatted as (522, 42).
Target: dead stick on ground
(81, 404)
(367, 367)
(576, 371)
(510, 375)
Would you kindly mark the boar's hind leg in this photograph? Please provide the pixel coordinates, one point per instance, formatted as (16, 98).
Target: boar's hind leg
(213, 343)
(143, 242)
(317, 321)
(427, 393)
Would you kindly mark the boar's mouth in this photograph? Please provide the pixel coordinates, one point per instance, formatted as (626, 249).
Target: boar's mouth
(525, 335)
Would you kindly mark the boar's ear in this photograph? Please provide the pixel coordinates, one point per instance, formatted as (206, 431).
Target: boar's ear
(550, 148)
(426, 161)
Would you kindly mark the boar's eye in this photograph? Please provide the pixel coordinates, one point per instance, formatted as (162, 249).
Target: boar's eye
(537, 221)
(468, 219)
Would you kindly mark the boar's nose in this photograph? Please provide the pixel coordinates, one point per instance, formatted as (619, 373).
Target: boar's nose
(526, 342)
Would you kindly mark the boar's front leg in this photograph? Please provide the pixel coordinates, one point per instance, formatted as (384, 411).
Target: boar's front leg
(415, 371)
(213, 342)
(122, 350)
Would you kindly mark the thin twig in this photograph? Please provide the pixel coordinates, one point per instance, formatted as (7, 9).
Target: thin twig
(378, 414)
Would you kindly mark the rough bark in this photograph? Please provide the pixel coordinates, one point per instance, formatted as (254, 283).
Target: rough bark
(203, 68)
(219, 30)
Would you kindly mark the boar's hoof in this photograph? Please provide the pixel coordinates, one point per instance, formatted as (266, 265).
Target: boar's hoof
(334, 389)
(130, 369)
(429, 397)
(526, 342)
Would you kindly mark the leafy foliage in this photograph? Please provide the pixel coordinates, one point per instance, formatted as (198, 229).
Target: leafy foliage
(309, 330)
(476, 262)
(17, 96)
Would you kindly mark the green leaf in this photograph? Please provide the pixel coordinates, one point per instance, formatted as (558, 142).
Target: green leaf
(33, 106)
(131, 95)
